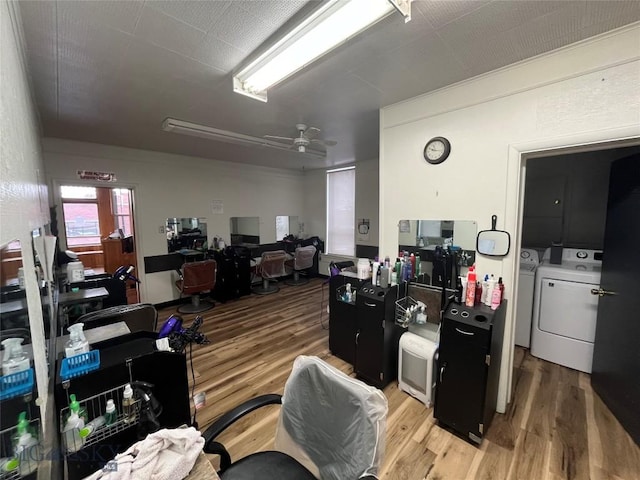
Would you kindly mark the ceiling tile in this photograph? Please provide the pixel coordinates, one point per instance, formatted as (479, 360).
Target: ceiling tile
(543, 30)
(272, 11)
(200, 14)
(120, 14)
(39, 25)
(241, 29)
(441, 12)
(217, 53)
(618, 13)
(168, 32)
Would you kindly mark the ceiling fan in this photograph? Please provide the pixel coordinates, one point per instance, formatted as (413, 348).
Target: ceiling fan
(306, 137)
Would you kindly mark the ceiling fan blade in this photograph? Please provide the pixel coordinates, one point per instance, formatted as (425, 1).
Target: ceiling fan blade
(311, 132)
(275, 137)
(326, 143)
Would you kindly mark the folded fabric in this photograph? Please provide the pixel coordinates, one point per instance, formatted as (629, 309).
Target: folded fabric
(168, 454)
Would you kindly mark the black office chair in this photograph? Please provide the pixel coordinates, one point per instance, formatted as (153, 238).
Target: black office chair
(331, 426)
(302, 260)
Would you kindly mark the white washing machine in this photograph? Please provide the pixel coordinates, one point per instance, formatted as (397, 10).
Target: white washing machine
(564, 309)
(529, 261)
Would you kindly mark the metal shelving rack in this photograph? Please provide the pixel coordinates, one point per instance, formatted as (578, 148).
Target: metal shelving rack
(31, 456)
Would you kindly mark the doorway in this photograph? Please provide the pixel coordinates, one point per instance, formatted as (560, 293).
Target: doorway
(99, 229)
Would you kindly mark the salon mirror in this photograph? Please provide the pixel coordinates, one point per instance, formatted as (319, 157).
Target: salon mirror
(429, 238)
(245, 231)
(186, 234)
(287, 225)
(493, 243)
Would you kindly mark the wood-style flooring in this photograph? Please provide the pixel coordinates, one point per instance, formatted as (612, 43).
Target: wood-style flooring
(555, 428)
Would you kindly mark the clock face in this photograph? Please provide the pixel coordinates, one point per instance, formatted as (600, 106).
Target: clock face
(437, 150)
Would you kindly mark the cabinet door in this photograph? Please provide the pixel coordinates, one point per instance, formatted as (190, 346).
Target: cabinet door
(461, 385)
(370, 341)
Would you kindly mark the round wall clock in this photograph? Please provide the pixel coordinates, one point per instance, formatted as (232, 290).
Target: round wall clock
(437, 150)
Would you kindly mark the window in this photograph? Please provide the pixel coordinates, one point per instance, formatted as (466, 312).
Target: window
(121, 206)
(80, 210)
(341, 199)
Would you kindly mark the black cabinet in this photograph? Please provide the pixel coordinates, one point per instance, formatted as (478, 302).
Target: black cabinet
(469, 368)
(342, 318)
(233, 276)
(364, 332)
(122, 359)
(377, 335)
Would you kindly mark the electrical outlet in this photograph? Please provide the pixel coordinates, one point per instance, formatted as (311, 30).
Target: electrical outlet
(160, 229)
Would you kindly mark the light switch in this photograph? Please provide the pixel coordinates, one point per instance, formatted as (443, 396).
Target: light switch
(161, 229)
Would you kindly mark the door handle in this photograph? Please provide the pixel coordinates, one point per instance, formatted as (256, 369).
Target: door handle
(357, 335)
(463, 332)
(601, 292)
(370, 304)
(442, 370)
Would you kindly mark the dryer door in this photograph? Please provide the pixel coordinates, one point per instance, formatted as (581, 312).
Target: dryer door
(568, 309)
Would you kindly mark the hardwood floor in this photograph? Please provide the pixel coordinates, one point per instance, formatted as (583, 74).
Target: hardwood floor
(555, 427)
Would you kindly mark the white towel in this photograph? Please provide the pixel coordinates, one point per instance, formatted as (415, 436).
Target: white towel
(168, 454)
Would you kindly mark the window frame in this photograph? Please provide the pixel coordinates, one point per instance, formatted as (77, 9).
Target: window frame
(331, 249)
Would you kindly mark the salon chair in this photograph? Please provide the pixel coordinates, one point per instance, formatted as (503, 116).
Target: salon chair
(196, 278)
(331, 426)
(302, 260)
(271, 266)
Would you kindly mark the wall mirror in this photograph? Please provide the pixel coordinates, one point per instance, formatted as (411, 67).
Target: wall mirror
(245, 231)
(421, 237)
(186, 234)
(287, 225)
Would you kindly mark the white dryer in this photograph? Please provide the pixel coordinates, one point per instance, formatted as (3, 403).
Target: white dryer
(564, 309)
(529, 261)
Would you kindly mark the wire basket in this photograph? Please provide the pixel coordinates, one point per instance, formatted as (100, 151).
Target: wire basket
(403, 306)
(341, 295)
(25, 462)
(95, 406)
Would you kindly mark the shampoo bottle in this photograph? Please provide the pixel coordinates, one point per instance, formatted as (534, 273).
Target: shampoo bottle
(73, 440)
(496, 297)
(110, 414)
(26, 447)
(128, 409)
(471, 287)
(485, 289)
(14, 359)
(77, 342)
(491, 284)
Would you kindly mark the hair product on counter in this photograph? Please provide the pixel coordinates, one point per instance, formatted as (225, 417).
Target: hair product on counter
(471, 290)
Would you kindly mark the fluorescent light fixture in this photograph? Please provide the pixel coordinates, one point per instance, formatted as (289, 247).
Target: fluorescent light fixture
(210, 133)
(330, 25)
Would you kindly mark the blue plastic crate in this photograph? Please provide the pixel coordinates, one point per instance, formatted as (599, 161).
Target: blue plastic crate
(16, 384)
(79, 364)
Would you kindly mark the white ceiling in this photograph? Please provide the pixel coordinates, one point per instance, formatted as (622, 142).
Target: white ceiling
(111, 71)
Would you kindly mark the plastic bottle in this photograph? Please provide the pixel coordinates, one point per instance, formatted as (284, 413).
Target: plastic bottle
(8, 464)
(26, 447)
(501, 287)
(485, 289)
(471, 291)
(496, 297)
(459, 291)
(73, 440)
(491, 284)
(127, 402)
(14, 359)
(77, 342)
(418, 267)
(384, 276)
(421, 317)
(478, 294)
(363, 268)
(348, 294)
(374, 273)
(110, 414)
(92, 426)
(412, 260)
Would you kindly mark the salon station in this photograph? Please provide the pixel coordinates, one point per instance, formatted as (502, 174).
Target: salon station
(407, 255)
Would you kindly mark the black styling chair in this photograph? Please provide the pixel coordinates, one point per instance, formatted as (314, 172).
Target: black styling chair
(331, 426)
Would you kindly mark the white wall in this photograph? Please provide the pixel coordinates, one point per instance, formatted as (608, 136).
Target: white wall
(167, 185)
(23, 195)
(585, 93)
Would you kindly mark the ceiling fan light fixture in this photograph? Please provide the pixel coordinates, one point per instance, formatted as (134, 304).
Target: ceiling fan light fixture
(329, 26)
(210, 133)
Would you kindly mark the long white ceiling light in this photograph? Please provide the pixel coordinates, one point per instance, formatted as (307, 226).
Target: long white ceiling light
(332, 24)
(210, 133)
